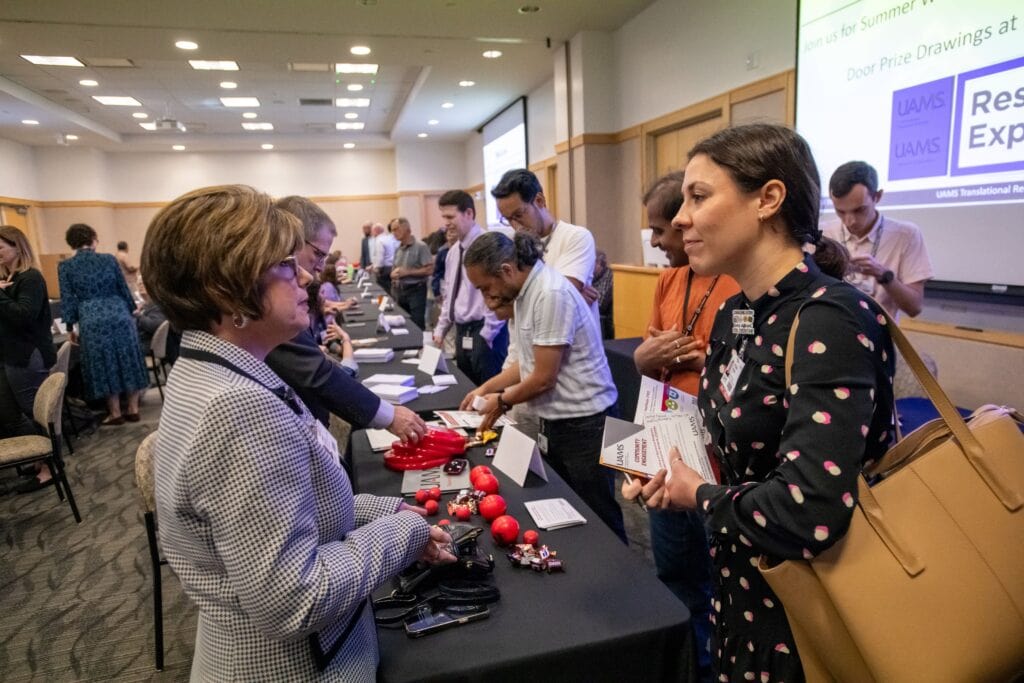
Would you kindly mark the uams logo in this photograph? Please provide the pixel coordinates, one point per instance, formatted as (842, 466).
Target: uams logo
(917, 148)
(923, 103)
(989, 131)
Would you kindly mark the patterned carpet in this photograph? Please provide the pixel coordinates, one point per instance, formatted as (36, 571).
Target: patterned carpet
(76, 600)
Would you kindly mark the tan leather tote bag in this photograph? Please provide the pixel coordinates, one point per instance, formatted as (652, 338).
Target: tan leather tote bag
(928, 583)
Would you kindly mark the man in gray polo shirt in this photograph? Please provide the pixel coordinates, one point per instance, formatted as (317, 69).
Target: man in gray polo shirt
(413, 266)
(560, 371)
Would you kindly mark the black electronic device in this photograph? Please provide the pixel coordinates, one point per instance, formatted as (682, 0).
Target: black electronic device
(433, 622)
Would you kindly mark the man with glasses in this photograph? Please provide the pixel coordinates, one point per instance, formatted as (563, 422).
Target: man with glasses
(321, 384)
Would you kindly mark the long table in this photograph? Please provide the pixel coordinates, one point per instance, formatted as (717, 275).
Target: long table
(607, 618)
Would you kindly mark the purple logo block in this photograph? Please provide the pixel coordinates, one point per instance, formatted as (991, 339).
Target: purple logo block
(919, 133)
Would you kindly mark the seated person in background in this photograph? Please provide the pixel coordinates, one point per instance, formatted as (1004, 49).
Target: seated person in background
(561, 371)
(288, 578)
(323, 385)
(603, 284)
(339, 345)
(148, 319)
(888, 258)
(329, 278)
(684, 310)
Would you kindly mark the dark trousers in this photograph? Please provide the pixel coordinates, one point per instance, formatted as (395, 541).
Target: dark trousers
(413, 298)
(384, 277)
(481, 362)
(18, 387)
(574, 448)
(680, 547)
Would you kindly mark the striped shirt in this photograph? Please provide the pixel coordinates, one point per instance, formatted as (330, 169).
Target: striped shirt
(550, 312)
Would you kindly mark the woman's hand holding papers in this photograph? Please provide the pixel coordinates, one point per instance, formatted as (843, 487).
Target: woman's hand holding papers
(679, 493)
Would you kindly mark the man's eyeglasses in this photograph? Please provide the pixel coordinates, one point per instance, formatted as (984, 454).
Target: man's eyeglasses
(321, 255)
(516, 217)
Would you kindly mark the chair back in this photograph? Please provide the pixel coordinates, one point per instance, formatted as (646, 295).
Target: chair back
(63, 359)
(48, 404)
(905, 384)
(144, 472)
(159, 344)
(340, 430)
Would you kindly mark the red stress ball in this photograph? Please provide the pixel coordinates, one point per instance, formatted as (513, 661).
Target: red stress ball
(476, 472)
(434, 493)
(492, 507)
(505, 530)
(431, 506)
(444, 522)
(422, 496)
(462, 513)
(529, 536)
(487, 483)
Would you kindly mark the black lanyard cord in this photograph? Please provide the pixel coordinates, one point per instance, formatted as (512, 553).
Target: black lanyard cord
(283, 392)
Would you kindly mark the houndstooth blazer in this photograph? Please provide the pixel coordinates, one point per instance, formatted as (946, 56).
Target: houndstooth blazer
(258, 521)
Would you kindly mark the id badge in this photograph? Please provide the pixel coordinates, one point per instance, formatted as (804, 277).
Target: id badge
(325, 439)
(731, 377)
(542, 443)
(467, 343)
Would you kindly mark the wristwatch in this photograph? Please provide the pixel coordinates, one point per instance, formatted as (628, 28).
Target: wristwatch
(887, 277)
(502, 405)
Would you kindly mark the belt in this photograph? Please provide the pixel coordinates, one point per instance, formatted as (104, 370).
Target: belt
(454, 596)
(571, 420)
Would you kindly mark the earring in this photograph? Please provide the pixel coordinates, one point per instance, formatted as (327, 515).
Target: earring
(239, 321)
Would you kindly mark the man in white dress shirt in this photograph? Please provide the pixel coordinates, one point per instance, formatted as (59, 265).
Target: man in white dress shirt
(481, 340)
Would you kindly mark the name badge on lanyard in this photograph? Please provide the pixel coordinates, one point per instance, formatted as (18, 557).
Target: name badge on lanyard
(733, 370)
(742, 321)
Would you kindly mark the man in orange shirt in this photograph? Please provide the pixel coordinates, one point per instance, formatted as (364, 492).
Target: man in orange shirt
(684, 310)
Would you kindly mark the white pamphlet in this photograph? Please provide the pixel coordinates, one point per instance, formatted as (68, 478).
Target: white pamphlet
(467, 419)
(518, 455)
(554, 513)
(445, 380)
(430, 389)
(380, 439)
(399, 331)
(643, 450)
(383, 378)
(432, 360)
(382, 322)
(658, 397)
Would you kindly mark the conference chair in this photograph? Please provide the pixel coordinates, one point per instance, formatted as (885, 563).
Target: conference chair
(156, 359)
(25, 450)
(145, 483)
(62, 365)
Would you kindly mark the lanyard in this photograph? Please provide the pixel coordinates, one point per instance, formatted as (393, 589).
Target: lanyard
(700, 306)
(878, 235)
(283, 392)
(547, 240)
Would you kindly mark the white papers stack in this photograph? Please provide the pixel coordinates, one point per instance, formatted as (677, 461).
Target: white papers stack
(382, 378)
(379, 355)
(554, 513)
(468, 419)
(394, 393)
(445, 380)
(380, 439)
(395, 320)
(429, 389)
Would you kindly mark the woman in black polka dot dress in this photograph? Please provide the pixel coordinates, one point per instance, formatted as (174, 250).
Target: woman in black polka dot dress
(789, 456)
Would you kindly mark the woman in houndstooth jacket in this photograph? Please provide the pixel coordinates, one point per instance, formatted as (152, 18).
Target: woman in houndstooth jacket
(257, 517)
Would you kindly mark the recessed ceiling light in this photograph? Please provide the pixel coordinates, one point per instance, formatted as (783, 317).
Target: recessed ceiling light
(467, 84)
(492, 54)
(43, 60)
(352, 102)
(213, 65)
(421, 135)
(349, 145)
(359, 50)
(148, 126)
(355, 68)
(266, 145)
(258, 125)
(350, 115)
(178, 148)
(240, 101)
(433, 122)
(228, 85)
(528, 9)
(357, 125)
(117, 100)
(250, 115)
(186, 45)
(88, 82)
(30, 122)
(354, 87)
(141, 115)
(71, 137)
(447, 105)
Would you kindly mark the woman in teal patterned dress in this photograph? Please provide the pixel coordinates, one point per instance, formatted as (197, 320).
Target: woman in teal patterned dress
(95, 296)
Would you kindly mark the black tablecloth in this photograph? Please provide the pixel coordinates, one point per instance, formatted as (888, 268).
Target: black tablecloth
(425, 405)
(627, 379)
(607, 618)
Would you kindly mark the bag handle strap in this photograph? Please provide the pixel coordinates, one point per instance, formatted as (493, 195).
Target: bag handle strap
(969, 444)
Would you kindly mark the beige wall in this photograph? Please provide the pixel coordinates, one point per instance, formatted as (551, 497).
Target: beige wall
(974, 373)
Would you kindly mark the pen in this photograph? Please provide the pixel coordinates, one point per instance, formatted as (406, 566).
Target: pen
(640, 498)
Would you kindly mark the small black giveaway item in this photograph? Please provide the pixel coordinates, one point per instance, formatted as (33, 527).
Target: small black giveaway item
(456, 466)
